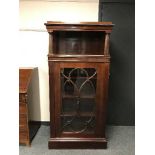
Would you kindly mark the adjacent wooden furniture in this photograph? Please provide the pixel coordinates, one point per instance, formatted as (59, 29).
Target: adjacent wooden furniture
(27, 129)
(78, 61)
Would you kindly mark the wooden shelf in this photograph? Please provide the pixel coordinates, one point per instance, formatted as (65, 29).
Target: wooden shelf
(82, 97)
(82, 114)
(79, 77)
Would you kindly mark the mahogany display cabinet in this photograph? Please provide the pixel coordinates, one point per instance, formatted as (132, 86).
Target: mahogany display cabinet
(78, 62)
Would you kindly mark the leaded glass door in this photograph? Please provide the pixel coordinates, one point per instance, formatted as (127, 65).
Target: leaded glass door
(77, 104)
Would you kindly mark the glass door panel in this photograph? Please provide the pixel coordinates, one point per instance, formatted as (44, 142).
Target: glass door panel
(78, 100)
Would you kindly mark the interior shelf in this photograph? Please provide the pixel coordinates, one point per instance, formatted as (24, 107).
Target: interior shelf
(82, 97)
(79, 77)
(82, 114)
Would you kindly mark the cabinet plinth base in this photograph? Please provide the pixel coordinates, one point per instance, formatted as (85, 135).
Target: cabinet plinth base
(77, 143)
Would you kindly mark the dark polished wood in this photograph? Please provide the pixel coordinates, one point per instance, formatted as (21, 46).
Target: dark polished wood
(79, 56)
(80, 143)
(27, 129)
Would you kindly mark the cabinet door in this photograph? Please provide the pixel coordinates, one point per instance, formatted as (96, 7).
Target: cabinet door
(80, 99)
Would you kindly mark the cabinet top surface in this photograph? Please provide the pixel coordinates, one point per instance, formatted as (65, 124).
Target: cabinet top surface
(79, 23)
(81, 26)
(24, 79)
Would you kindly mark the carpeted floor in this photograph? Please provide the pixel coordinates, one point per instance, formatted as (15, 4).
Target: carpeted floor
(121, 141)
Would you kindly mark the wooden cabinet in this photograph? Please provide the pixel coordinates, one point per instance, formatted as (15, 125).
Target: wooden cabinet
(78, 75)
(27, 128)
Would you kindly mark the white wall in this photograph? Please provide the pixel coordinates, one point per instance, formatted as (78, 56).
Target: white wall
(34, 38)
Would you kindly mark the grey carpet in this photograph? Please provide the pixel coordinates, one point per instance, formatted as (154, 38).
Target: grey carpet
(121, 141)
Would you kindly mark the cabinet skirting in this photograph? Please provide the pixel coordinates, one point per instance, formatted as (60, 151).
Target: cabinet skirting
(77, 143)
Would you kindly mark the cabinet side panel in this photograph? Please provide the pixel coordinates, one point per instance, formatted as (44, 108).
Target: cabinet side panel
(52, 96)
(106, 86)
(102, 87)
(100, 102)
(57, 99)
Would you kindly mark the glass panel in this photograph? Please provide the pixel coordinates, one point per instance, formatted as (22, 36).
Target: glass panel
(78, 86)
(78, 124)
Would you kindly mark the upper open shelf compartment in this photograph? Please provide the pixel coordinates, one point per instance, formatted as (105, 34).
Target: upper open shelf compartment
(85, 38)
(80, 43)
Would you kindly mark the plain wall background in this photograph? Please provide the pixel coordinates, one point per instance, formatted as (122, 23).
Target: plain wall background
(121, 106)
(34, 38)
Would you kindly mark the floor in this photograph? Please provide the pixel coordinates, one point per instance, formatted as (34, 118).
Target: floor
(121, 141)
